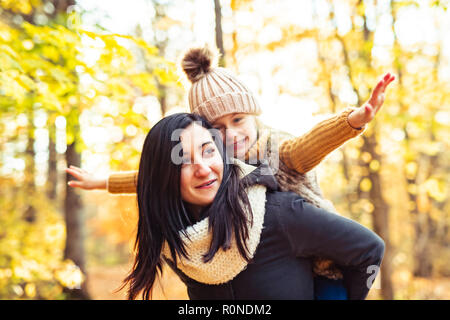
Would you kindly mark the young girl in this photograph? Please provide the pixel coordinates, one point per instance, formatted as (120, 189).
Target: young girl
(228, 104)
(226, 230)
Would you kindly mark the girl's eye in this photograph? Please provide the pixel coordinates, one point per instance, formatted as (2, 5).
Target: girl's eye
(236, 120)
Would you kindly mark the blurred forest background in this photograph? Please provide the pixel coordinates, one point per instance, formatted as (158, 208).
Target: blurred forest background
(82, 82)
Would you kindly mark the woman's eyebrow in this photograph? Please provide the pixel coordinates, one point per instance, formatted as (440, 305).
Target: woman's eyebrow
(205, 143)
(187, 153)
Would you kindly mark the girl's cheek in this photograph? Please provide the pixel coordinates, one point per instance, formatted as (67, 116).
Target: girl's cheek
(252, 131)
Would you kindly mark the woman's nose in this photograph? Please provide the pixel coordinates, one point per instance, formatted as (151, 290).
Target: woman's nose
(202, 169)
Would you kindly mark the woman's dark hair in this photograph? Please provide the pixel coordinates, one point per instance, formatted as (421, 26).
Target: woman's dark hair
(163, 214)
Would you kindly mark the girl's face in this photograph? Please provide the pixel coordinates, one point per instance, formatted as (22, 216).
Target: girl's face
(238, 131)
(202, 168)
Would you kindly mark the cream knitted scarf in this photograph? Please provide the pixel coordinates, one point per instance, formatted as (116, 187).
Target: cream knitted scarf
(225, 265)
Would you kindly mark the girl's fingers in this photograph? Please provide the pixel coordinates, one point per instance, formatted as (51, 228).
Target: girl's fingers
(378, 92)
(75, 168)
(74, 173)
(386, 81)
(74, 184)
(375, 98)
(392, 78)
(389, 80)
(79, 170)
(378, 87)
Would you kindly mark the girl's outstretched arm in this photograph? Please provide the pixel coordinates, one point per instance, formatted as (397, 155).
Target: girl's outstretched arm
(85, 180)
(307, 151)
(117, 182)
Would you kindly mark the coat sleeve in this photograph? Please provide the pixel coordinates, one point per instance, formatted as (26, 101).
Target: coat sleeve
(315, 232)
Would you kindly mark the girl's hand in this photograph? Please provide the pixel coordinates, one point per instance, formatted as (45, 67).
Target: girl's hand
(86, 180)
(367, 112)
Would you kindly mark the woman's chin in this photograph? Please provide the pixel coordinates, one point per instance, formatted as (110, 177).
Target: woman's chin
(206, 200)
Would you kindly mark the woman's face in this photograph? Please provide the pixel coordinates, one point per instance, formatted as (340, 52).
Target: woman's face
(202, 168)
(238, 131)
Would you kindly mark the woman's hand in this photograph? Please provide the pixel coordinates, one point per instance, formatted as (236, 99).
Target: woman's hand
(367, 112)
(86, 180)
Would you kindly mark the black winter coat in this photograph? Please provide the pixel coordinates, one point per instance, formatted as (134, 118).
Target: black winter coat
(295, 231)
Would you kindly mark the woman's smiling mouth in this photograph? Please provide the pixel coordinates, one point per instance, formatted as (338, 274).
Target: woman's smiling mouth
(207, 184)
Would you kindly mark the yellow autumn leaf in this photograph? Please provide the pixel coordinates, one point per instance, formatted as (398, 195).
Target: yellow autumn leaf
(374, 165)
(411, 169)
(145, 82)
(412, 188)
(423, 202)
(365, 185)
(70, 275)
(26, 82)
(51, 53)
(436, 189)
(366, 157)
(30, 290)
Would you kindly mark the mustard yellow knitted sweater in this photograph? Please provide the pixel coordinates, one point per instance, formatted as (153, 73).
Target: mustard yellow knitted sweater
(300, 154)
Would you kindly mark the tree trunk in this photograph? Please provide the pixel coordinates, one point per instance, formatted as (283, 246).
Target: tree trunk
(61, 6)
(73, 210)
(423, 224)
(380, 215)
(423, 266)
(30, 211)
(163, 91)
(52, 175)
(380, 218)
(219, 34)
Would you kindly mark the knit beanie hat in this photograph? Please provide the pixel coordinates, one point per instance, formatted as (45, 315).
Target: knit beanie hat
(215, 91)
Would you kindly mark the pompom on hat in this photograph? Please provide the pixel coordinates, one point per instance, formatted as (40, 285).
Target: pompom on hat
(215, 91)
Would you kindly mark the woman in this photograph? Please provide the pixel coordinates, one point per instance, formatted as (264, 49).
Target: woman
(227, 231)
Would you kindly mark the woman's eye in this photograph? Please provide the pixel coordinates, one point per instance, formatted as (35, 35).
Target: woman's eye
(236, 120)
(208, 152)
